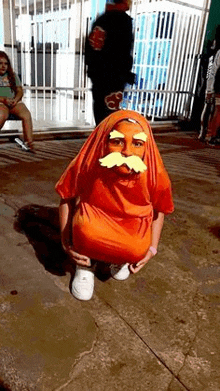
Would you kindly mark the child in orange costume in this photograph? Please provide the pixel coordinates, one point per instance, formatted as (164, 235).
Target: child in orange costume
(114, 195)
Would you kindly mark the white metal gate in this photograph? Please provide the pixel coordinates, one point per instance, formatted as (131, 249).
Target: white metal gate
(169, 38)
(45, 40)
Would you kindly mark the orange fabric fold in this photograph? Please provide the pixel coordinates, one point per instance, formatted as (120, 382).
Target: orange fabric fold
(114, 217)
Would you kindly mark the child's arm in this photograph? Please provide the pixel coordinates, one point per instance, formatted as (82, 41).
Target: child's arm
(157, 226)
(65, 217)
(66, 213)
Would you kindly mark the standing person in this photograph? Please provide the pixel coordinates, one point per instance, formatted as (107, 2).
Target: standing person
(11, 93)
(114, 195)
(209, 102)
(213, 93)
(108, 57)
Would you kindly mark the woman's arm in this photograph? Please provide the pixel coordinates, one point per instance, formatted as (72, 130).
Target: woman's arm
(157, 226)
(19, 94)
(11, 102)
(67, 209)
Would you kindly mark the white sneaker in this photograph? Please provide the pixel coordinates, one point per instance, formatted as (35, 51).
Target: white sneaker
(119, 272)
(83, 283)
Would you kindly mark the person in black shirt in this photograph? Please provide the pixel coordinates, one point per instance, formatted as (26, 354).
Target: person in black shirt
(108, 58)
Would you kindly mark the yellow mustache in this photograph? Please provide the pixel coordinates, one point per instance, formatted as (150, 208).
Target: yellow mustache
(116, 159)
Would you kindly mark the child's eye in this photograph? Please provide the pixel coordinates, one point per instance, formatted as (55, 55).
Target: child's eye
(116, 141)
(138, 143)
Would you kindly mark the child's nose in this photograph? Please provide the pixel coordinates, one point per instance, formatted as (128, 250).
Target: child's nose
(127, 150)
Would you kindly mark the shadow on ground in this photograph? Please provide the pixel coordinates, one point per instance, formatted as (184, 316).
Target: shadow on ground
(4, 387)
(40, 224)
(215, 231)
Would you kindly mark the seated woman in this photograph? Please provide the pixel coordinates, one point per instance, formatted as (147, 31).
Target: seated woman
(11, 94)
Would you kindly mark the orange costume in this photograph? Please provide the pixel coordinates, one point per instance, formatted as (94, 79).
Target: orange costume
(114, 215)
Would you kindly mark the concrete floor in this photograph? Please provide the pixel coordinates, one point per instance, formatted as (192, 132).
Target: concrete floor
(157, 331)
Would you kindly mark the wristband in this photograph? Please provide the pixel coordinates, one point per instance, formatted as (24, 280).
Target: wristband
(153, 250)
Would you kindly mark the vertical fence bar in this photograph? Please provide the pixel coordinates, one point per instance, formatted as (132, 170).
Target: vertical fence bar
(189, 60)
(82, 13)
(51, 58)
(44, 60)
(147, 68)
(172, 85)
(164, 56)
(167, 55)
(21, 43)
(74, 27)
(171, 64)
(145, 59)
(137, 64)
(153, 63)
(181, 53)
(158, 57)
(67, 52)
(179, 63)
(28, 54)
(11, 12)
(60, 56)
(35, 48)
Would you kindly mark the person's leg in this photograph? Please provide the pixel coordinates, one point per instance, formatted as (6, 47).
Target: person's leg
(106, 100)
(99, 110)
(204, 121)
(4, 114)
(214, 125)
(99, 107)
(22, 112)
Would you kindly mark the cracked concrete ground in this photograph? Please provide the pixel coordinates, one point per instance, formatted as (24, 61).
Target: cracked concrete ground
(157, 331)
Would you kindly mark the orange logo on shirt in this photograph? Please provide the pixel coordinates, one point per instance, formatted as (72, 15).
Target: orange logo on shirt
(113, 100)
(97, 38)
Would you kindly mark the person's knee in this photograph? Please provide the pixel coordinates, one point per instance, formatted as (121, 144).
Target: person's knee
(26, 115)
(3, 116)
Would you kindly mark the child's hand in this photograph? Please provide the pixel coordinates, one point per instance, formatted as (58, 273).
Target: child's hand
(138, 266)
(79, 259)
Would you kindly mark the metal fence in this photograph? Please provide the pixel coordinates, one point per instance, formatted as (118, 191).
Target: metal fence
(169, 39)
(47, 49)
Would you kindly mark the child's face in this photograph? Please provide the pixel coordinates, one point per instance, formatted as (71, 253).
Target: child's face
(3, 66)
(128, 140)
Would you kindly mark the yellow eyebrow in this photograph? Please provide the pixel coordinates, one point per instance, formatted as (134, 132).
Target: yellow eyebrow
(116, 134)
(140, 136)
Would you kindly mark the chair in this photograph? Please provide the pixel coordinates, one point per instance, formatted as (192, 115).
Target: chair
(13, 117)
